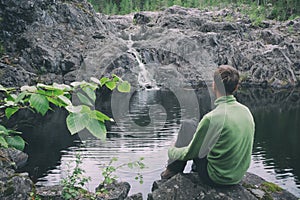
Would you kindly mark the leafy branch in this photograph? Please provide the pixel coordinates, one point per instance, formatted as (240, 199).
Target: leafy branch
(109, 177)
(41, 98)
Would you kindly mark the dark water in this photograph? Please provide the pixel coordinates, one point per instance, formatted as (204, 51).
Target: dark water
(147, 123)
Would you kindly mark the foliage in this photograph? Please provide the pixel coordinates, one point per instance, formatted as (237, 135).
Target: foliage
(108, 172)
(11, 138)
(75, 181)
(271, 187)
(41, 98)
(33, 195)
(279, 9)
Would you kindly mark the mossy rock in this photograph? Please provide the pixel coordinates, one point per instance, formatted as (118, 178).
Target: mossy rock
(270, 187)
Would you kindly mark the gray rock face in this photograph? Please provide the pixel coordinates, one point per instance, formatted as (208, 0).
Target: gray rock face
(66, 40)
(49, 36)
(189, 186)
(13, 185)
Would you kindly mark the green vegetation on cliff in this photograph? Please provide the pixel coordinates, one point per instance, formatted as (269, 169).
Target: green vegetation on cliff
(272, 9)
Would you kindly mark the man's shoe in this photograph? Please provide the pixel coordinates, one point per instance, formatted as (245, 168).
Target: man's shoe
(167, 174)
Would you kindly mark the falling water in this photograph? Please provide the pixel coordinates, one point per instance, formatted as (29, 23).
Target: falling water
(145, 79)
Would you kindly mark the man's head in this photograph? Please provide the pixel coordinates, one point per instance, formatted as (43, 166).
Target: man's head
(226, 79)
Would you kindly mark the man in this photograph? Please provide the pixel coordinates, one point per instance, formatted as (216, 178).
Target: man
(221, 147)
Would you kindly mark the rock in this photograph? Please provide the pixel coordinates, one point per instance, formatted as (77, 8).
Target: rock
(49, 36)
(50, 192)
(11, 157)
(189, 186)
(140, 18)
(178, 46)
(138, 196)
(18, 186)
(15, 76)
(115, 191)
(13, 185)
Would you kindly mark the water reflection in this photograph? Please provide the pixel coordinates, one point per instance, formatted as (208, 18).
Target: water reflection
(275, 154)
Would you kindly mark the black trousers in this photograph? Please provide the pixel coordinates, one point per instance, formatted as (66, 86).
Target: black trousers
(185, 136)
(199, 166)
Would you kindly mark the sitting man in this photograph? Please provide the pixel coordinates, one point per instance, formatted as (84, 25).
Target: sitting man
(221, 147)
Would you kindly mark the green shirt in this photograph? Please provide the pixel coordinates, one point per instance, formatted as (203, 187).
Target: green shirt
(225, 135)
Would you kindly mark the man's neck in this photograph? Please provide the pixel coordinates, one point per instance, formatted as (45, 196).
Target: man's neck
(218, 94)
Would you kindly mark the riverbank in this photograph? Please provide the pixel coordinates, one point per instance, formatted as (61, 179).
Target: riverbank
(181, 186)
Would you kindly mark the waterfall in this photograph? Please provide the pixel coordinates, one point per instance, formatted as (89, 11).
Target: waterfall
(145, 79)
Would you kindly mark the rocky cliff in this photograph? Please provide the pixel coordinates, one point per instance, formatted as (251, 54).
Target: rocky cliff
(62, 41)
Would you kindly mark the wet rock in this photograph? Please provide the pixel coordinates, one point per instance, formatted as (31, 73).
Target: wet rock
(115, 191)
(189, 186)
(13, 185)
(12, 158)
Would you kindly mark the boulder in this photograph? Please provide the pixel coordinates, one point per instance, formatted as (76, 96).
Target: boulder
(12, 158)
(13, 185)
(189, 186)
(114, 191)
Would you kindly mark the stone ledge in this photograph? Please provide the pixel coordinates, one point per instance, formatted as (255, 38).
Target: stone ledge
(189, 186)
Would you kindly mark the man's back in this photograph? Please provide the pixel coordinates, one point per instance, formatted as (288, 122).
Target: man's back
(230, 157)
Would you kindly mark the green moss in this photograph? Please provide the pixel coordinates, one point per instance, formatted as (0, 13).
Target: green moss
(248, 186)
(271, 187)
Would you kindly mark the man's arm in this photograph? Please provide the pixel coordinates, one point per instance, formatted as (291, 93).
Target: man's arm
(192, 150)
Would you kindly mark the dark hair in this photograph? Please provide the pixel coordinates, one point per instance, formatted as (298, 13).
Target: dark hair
(226, 79)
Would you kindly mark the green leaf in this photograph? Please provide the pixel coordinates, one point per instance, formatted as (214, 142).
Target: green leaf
(104, 80)
(124, 87)
(10, 97)
(39, 103)
(14, 132)
(77, 122)
(28, 88)
(116, 78)
(9, 103)
(3, 142)
(76, 83)
(110, 85)
(16, 142)
(101, 116)
(3, 88)
(63, 87)
(74, 109)
(95, 80)
(10, 111)
(90, 92)
(97, 129)
(65, 99)
(20, 97)
(3, 130)
(47, 87)
(84, 99)
(56, 101)
(55, 92)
